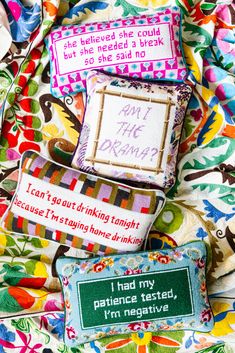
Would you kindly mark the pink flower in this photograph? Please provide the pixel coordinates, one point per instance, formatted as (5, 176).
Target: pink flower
(129, 271)
(71, 333)
(165, 327)
(206, 315)
(65, 280)
(200, 263)
(136, 326)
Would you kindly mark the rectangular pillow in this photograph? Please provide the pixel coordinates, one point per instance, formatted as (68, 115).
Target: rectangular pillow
(78, 209)
(146, 291)
(131, 129)
(147, 47)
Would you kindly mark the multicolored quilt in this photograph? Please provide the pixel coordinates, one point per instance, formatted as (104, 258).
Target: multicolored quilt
(200, 206)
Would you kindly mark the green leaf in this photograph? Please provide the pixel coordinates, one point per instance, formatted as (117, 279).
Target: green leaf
(3, 155)
(26, 252)
(4, 142)
(228, 66)
(31, 88)
(30, 266)
(15, 252)
(129, 9)
(217, 158)
(228, 199)
(10, 241)
(9, 185)
(214, 349)
(5, 79)
(196, 36)
(11, 98)
(212, 187)
(35, 257)
(36, 243)
(188, 127)
(8, 303)
(22, 324)
(208, 6)
(39, 70)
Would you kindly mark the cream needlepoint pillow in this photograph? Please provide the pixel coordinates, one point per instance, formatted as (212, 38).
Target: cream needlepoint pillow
(80, 210)
(131, 129)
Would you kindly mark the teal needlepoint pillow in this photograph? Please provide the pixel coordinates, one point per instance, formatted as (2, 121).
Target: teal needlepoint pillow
(145, 291)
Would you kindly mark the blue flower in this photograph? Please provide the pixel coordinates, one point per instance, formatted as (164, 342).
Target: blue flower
(201, 234)
(6, 335)
(58, 324)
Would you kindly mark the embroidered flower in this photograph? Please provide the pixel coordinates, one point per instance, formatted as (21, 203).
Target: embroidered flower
(136, 326)
(65, 280)
(108, 261)
(203, 286)
(144, 342)
(165, 327)
(206, 315)
(67, 304)
(129, 271)
(200, 263)
(100, 266)
(164, 259)
(153, 256)
(83, 267)
(178, 255)
(179, 325)
(71, 333)
(203, 343)
(131, 262)
(196, 114)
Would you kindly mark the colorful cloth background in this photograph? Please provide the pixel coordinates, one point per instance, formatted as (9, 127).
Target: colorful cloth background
(201, 205)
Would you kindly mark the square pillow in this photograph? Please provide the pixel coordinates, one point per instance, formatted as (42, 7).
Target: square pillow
(146, 291)
(131, 129)
(147, 47)
(78, 209)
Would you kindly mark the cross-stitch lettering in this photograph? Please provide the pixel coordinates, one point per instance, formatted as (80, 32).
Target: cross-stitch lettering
(136, 297)
(113, 46)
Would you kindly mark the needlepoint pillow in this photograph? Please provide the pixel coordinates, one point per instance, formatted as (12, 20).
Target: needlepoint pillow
(78, 209)
(145, 291)
(131, 129)
(147, 47)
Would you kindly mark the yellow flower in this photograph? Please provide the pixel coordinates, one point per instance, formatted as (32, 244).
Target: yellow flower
(44, 243)
(108, 261)
(3, 243)
(153, 256)
(153, 3)
(141, 341)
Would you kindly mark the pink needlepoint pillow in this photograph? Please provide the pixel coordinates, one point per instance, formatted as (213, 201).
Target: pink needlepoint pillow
(147, 47)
